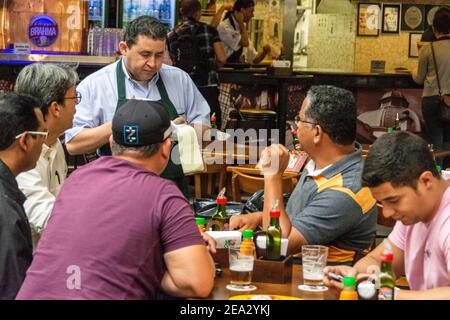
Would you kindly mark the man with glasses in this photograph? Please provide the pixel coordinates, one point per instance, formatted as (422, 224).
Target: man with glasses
(22, 133)
(54, 86)
(328, 206)
(125, 232)
(139, 74)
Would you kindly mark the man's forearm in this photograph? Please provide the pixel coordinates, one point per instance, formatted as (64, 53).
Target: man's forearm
(442, 293)
(365, 264)
(89, 139)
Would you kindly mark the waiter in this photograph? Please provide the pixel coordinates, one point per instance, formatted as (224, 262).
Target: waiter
(139, 74)
(233, 33)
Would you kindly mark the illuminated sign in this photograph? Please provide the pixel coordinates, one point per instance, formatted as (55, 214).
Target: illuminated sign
(43, 31)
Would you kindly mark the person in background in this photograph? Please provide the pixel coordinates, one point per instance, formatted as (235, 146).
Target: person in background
(233, 32)
(438, 130)
(54, 86)
(402, 176)
(208, 46)
(22, 133)
(139, 74)
(328, 206)
(111, 242)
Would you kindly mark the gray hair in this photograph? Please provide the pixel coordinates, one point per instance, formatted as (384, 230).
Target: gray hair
(47, 82)
(138, 152)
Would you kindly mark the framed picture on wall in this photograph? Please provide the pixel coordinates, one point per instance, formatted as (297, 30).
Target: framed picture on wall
(368, 19)
(414, 38)
(391, 18)
(413, 17)
(430, 10)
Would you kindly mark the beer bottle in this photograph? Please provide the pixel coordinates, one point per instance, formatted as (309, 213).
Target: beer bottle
(386, 277)
(349, 292)
(397, 124)
(247, 245)
(273, 236)
(220, 220)
(213, 121)
(295, 141)
(200, 224)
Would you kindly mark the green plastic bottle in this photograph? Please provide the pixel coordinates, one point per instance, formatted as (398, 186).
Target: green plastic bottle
(349, 291)
(386, 277)
(273, 236)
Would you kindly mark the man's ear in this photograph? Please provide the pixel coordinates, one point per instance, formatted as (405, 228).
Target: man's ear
(123, 47)
(318, 133)
(24, 142)
(165, 148)
(427, 179)
(54, 109)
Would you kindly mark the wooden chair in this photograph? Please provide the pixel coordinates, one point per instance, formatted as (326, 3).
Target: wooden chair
(249, 180)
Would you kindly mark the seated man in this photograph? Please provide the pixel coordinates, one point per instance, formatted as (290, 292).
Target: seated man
(54, 86)
(22, 133)
(120, 231)
(328, 206)
(402, 176)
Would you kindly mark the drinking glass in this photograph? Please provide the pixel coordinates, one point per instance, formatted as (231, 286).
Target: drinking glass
(241, 268)
(314, 259)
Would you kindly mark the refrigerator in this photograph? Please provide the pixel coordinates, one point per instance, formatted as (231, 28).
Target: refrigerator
(164, 10)
(97, 13)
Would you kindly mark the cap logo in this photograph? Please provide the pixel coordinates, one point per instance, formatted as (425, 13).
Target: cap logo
(131, 134)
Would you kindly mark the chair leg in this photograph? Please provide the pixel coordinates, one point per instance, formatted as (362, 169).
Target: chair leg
(198, 186)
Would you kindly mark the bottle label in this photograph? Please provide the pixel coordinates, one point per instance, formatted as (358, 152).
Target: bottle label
(386, 294)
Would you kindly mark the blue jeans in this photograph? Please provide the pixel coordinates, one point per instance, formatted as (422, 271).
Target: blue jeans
(438, 131)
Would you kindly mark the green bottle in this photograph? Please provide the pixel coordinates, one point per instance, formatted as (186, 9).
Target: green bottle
(213, 121)
(386, 277)
(295, 141)
(273, 236)
(397, 124)
(390, 130)
(220, 220)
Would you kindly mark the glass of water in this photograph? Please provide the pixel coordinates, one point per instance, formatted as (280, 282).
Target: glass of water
(314, 259)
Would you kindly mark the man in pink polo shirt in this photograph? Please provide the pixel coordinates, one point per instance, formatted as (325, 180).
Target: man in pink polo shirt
(401, 174)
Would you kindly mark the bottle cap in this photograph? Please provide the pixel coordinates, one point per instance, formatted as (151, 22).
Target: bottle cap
(390, 130)
(274, 213)
(221, 200)
(247, 234)
(438, 168)
(387, 256)
(293, 132)
(349, 281)
(200, 220)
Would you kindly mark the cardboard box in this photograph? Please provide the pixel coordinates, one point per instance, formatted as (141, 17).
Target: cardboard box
(272, 271)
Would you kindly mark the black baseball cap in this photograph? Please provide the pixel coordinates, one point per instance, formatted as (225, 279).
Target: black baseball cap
(140, 123)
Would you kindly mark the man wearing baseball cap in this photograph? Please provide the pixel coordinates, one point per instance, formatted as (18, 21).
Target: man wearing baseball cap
(118, 230)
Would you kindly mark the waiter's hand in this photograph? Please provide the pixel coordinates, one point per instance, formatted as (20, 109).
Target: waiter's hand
(179, 120)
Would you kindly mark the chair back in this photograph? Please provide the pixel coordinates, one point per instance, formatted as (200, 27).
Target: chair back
(249, 180)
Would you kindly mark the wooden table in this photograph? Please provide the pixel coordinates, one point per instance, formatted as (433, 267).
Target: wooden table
(220, 291)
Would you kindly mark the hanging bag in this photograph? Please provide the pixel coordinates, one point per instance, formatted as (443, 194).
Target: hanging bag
(445, 99)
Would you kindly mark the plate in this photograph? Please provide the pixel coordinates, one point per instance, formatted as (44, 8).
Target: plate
(263, 297)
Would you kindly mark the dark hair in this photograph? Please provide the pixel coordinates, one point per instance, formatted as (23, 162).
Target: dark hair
(441, 21)
(144, 26)
(334, 110)
(16, 116)
(47, 82)
(399, 158)
(189, 8)
(243, 4)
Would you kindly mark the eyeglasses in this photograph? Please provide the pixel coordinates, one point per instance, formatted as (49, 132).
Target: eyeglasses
(297, 120)
(77, 97)
(38, 133)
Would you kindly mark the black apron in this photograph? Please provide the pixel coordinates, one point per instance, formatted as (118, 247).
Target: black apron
(173, 172)
(236, 55)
